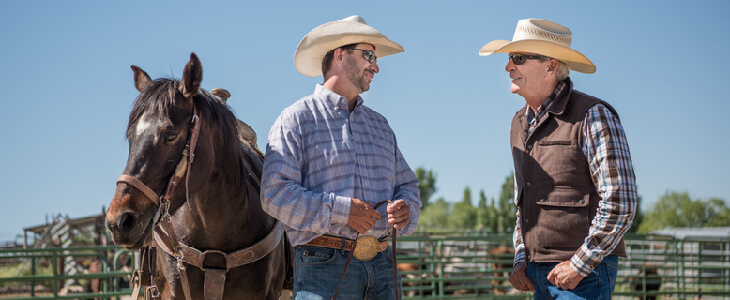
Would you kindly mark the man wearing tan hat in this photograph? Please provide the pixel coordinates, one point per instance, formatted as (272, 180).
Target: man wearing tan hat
(574, 183)
(330, 160)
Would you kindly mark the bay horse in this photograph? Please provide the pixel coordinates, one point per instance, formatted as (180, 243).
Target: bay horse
(215, 240)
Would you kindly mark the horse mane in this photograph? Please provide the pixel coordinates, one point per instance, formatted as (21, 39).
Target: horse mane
(158, 98)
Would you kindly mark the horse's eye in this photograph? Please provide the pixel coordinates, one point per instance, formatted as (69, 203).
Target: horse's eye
(170, 137)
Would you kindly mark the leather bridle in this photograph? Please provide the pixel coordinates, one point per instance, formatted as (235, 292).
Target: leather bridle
(164, 235)
(162, 216)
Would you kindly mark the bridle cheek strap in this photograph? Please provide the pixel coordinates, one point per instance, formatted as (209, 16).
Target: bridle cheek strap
(182, 167)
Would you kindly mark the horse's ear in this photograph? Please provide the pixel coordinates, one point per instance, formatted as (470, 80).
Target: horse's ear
(192, 77)
(141, 79)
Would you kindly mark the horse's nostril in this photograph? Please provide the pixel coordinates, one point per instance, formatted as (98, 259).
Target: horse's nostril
(127, 221)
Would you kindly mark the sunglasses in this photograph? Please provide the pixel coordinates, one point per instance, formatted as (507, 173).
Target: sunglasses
(519, 59)
(369, 55)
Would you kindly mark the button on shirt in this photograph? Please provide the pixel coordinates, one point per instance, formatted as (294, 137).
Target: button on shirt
(320, 155)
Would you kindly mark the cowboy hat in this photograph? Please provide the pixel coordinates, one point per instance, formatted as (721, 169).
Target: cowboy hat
(545, 38)
(351, 30)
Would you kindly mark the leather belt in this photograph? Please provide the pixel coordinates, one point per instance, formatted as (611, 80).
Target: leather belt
(371, 255)
(336, 243)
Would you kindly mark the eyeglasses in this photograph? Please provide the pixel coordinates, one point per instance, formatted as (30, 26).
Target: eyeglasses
(519, 59)
(369, 55)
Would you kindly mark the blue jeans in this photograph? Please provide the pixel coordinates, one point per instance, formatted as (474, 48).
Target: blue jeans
(317, 273)
(598, 285)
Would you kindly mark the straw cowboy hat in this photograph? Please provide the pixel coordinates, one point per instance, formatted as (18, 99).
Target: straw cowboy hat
(545, 38)
(351, 30)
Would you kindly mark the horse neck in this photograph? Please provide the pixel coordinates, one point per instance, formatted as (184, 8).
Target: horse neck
(221, 216)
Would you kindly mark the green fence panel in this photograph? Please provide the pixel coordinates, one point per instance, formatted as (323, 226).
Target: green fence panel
(456, 265)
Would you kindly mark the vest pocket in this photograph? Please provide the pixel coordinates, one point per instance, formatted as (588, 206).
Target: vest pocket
(551, 143)
(563, 218)
(563, 196)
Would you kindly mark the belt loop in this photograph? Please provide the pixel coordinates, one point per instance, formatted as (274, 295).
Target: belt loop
(344, 246)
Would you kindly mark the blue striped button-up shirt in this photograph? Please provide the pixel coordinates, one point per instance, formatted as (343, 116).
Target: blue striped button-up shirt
(320, 156)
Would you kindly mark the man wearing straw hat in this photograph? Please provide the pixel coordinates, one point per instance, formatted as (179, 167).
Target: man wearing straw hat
(574, 183)
(329, 160)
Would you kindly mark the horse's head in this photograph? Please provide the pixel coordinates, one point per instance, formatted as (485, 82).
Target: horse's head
(158, 132)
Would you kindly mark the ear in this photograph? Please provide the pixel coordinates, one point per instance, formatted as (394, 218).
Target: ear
(192, 77)
(337, 58)
(221, 93)
(141, 79)
(553, 65)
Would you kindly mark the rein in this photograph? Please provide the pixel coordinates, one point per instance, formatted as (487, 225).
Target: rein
(165, 237)
(393, 233)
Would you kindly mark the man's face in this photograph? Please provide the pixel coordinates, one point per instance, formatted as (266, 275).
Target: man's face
(358, 69)
(529, 78)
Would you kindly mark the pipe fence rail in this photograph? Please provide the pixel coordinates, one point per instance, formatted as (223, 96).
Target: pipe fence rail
(472, 265)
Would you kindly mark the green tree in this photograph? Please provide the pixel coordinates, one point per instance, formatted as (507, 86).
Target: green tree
(676, 209)
(483, 212)
(718, 213)
(506, 209)
(435, 217)
(488, 215)
(638, 216)
(464, 214)
(426, 185)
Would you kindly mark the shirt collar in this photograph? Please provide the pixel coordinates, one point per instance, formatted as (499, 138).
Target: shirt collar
(334, 100)
(530, 115)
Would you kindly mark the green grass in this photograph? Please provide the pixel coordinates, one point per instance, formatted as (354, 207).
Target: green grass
(11, 270)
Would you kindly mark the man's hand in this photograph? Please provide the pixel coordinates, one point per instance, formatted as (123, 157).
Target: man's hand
(399, 214)
(564, 277)
(362, 216)
(519, 278)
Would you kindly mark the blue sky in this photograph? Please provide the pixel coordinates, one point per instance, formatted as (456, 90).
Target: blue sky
(67, 88)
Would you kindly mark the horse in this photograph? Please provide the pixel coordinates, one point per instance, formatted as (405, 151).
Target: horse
(216, 240)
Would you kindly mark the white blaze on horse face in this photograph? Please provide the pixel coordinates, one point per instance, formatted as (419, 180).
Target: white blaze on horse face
(143, 125)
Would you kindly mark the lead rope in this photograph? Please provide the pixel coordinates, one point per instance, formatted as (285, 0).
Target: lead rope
(393, 233)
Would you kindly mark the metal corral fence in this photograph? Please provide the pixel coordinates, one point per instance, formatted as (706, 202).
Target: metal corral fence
(103, 272)
(477, 266)
(434, 266)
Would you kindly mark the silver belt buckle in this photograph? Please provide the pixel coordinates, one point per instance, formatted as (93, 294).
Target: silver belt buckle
(366, 248)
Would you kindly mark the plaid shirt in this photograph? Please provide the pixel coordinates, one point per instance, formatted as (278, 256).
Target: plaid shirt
(320, 156)
(613, 176)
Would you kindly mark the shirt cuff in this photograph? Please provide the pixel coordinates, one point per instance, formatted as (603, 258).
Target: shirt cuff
(583, 263)
(412, 222)
(340, 209)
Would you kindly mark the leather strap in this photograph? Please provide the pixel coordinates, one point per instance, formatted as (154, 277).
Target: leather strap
(393, 234)
(154, 293)
(136, 183)
(195, 257)
(215, 280)
(336, 243)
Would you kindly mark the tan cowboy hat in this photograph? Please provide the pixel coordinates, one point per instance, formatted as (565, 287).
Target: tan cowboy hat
(545, 38)
(351, 30)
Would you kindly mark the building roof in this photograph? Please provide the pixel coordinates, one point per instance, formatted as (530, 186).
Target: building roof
(75, 223)
(681, 233)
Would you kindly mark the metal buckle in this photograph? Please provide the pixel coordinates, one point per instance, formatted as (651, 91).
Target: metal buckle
(213, 259)
(366, 247)
(152, 293)
(180, 261)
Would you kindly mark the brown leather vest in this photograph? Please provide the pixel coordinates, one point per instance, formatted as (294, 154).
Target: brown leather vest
(555, 193)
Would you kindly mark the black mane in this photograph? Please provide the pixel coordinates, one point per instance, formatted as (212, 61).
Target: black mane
(158, 99)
